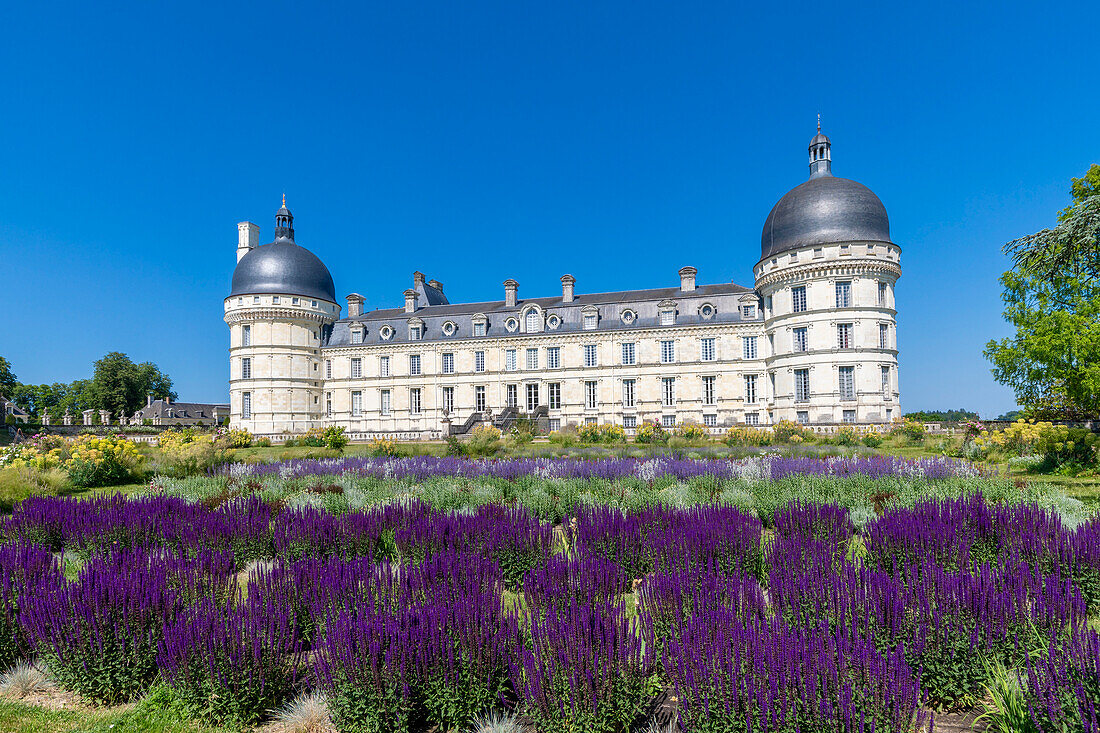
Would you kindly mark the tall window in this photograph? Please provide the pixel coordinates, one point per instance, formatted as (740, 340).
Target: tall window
(590, 355)
(668, 391)
(844, 335)
(448, 363)
(356, 404)
(668, 352)
(510, 360)
(553, 395)
(748, 347)
(532, 322)
(553, 357)
(708, 390)
(246, 405)
(414, 364)
(246, 368)
(882, 295)
(706, 349)
(590, 398)
(414, 333)
(628, 354)
(479, 361)
(383, 366)
(356, 368)
(414, 400)
(532, 397)
(246, 335)
(328, 368)
(844, 294)
(886, 382)
(511, 395)
(628, 393)
(532, 358)
(479, 399)
(799, 339)
(384, 402)
(801, 385)
(479, 328)
(883, 336)
(798, 299)
(328, 404)
(847, 382)
(590, 320)
(448, 399)
(357, 337)
(750, 389)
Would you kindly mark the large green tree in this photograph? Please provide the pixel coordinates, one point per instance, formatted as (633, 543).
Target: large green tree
(119, 384)
(8, 381)
(1052, 298)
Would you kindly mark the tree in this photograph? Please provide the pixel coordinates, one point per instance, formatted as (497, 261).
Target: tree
(1052, 298)
(958, 415)
(119, 384)
(7, 378)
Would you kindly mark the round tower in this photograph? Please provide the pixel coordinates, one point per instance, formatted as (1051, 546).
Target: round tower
(826, 276)
(279, 311)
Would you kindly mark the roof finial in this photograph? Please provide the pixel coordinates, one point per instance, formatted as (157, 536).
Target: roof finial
(818, 129)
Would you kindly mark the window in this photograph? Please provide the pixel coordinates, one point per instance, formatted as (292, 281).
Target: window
(328, 368)
(668, 317)
(668, 421)
(707, 311)
(627, 316)
(246, 405)
(356, 404)
(801, 385)
(414, 401)
(511, 324)
(802, 417)
(479, 399)
(749, 311)
(275, 300)
(889, 415)
(554, 424)
(532, 397)
(553, 395)
(246, 368)
(590, 355)
(383, 366)
(849, 416)
(356, 368)
(845, 250)
(511, 396)
(630, 421)
(590, 421)
(882, 295)
(532, 358)
(386, 333)
(414, 333)
(479, 328)
(246, 335)
(628, 393)
(883, 336)
(628, 354)
(668, 391)
(798, 299)
(748, 347)
(750, 389)
(449, 328)
(847, 383)
(668, 352)
(553, 357)
(886, 382)
(479, 361)
(510, 360)
(871, 249)
(448, 363)
(532, 322)
(706, 349)
(819, 252)
(708, 390)
(448, 399)
(328, 404)
(752, 418)
(313, 304)
(255, 300)
(590, 399)
(798, 339)
(590, 320)
(794, 257)
(843, 294)
(357, 337)
(844, 335)
(553, 322)
(414, 364)
(710, 420)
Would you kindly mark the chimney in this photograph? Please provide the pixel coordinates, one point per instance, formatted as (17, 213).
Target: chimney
(510, 288)
(248, 238)
(567, 283)
(149, 400)
(355, 305)
(687, 279)
(410, 300)
(436, 284)
(418, 279)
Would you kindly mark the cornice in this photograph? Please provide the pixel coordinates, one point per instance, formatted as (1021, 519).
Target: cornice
(831, 267)
(272, 313)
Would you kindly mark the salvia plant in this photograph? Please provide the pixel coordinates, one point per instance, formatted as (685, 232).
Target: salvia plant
(23, 567)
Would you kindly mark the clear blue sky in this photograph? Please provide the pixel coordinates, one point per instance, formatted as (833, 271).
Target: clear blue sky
(481, 141)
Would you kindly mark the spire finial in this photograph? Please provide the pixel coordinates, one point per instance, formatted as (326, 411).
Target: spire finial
(818, 129)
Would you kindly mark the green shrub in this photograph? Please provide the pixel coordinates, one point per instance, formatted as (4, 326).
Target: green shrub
(263, 443)
(872, 439)
(334, 438)
(651, 433)
(455, 447)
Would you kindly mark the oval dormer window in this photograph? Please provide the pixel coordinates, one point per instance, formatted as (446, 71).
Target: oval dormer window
(386, 333)
(707, 311)
(553, 321)
(449, 328)
(511, 324)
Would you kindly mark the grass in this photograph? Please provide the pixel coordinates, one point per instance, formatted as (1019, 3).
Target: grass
(17, 717)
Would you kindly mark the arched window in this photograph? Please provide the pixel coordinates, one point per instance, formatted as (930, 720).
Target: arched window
(532, 322)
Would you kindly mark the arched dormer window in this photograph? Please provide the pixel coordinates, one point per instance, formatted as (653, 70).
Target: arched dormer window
(480, 323)
(666, 313)
(532, 320)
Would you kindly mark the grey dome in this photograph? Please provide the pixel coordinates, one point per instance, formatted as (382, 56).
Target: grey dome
(822, 210)
(283, 267)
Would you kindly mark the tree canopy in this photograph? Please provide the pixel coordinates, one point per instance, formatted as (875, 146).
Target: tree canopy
(958, 415)
(7, 379)
(1052, 298)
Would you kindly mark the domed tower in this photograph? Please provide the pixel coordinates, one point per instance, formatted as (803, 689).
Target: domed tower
(826, 275)
(280, 310)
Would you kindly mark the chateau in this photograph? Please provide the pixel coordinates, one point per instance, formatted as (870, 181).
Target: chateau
(813, 341)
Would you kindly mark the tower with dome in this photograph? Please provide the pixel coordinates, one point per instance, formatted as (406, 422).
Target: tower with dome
(813, 341)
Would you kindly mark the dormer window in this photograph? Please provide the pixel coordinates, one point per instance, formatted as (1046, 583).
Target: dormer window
(449, 328)
(553, 321)
(591, 320)
(481, 324)
(628, 317)
(749, 311)
(666, 313)
(511, 325)
(415, 332)
(275, 300)
(294, 301)
(706, 312)
(255, 300)
(386, 332)
(357, 336)
(532, 321)
(845, 250)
